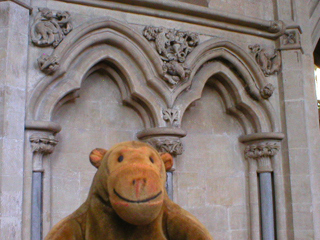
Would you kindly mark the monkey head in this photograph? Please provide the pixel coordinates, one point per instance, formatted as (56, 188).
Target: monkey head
(132, 175)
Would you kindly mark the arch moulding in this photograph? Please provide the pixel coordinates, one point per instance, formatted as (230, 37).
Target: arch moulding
(136, 67)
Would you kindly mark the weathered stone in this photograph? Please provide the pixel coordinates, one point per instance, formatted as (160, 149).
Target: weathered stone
(114, 76)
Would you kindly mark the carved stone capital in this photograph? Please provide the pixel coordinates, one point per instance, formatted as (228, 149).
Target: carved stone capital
(262, 153)
(270, 63)
(43, 143)
(49, 29)
(163, 144)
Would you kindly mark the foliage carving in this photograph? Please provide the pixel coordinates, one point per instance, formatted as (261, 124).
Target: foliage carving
(50, 29)
(173, 46)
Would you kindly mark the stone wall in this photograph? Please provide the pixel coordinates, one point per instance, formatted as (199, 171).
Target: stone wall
(242, 97)
(90, 122)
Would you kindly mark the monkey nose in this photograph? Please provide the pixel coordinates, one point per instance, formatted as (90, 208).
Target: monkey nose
(139, 181)
(139, 184)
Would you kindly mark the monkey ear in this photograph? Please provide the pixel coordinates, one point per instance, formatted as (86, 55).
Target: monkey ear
(167, 160)
(96, 156)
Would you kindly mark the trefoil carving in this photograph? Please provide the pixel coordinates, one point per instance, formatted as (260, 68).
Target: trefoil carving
(171, 115)
(173, 46)
(269, 63)
(49, 29)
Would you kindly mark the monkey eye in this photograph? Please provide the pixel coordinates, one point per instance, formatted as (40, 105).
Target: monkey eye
(120, 159)
(151, 160)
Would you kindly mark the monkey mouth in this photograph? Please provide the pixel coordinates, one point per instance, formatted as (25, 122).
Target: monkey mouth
(138, 201)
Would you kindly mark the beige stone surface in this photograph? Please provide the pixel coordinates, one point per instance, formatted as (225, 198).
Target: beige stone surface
(212, 178)
(90, 122)
(13, 68)
(258, 9)
(211, 174)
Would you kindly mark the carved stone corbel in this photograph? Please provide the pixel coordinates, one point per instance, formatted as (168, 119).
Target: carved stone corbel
(269, 63)
(173, 46)
(48, 64)
(267, 91)
(41, 145)
(262, 153)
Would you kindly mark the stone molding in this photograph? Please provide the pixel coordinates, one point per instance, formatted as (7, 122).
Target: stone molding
(183, 12)
(269, 63)
(88, 48)
(43, 126)
(161, 131)
(261, 136)
(173, 46)
(49, 29)
(22, 4)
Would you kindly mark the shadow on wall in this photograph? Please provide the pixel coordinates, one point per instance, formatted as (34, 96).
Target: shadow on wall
(196, 2)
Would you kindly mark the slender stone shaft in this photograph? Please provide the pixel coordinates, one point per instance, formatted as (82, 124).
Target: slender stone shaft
(169, 184)
(36, 215)
(267, 210)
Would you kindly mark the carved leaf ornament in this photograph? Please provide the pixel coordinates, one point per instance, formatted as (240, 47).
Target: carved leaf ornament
(256, 151)
(172, 146)
(43, 143)
(171, 115)
(173, 46)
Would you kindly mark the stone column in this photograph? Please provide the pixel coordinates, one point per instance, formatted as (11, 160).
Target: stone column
(263, 154)
(165, 140)
(301, 126)
(14, 21)
(42, 144)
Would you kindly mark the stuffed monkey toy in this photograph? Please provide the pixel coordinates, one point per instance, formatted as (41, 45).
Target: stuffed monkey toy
(128, 200)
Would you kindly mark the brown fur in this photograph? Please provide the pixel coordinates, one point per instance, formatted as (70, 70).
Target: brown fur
(105, 216)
